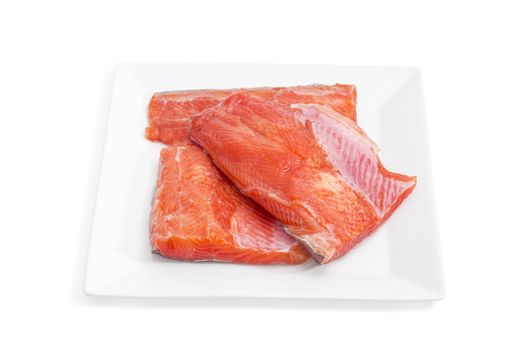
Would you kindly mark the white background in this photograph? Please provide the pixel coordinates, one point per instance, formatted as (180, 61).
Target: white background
(57, 60)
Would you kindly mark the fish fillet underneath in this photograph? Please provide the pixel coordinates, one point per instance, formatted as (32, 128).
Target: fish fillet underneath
(199, 215)
(170, 113)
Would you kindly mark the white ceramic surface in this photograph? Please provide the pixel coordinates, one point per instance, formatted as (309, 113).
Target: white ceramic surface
(400, 261)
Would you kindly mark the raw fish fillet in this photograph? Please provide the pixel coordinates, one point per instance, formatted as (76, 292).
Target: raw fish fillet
(198, 214)
(310, 167)
(170, 113)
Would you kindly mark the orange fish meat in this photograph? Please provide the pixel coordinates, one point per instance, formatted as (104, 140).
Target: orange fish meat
(170, 113)
(310, 167)
(198, 215)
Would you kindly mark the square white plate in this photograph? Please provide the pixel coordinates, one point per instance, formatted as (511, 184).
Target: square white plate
(400, 261)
